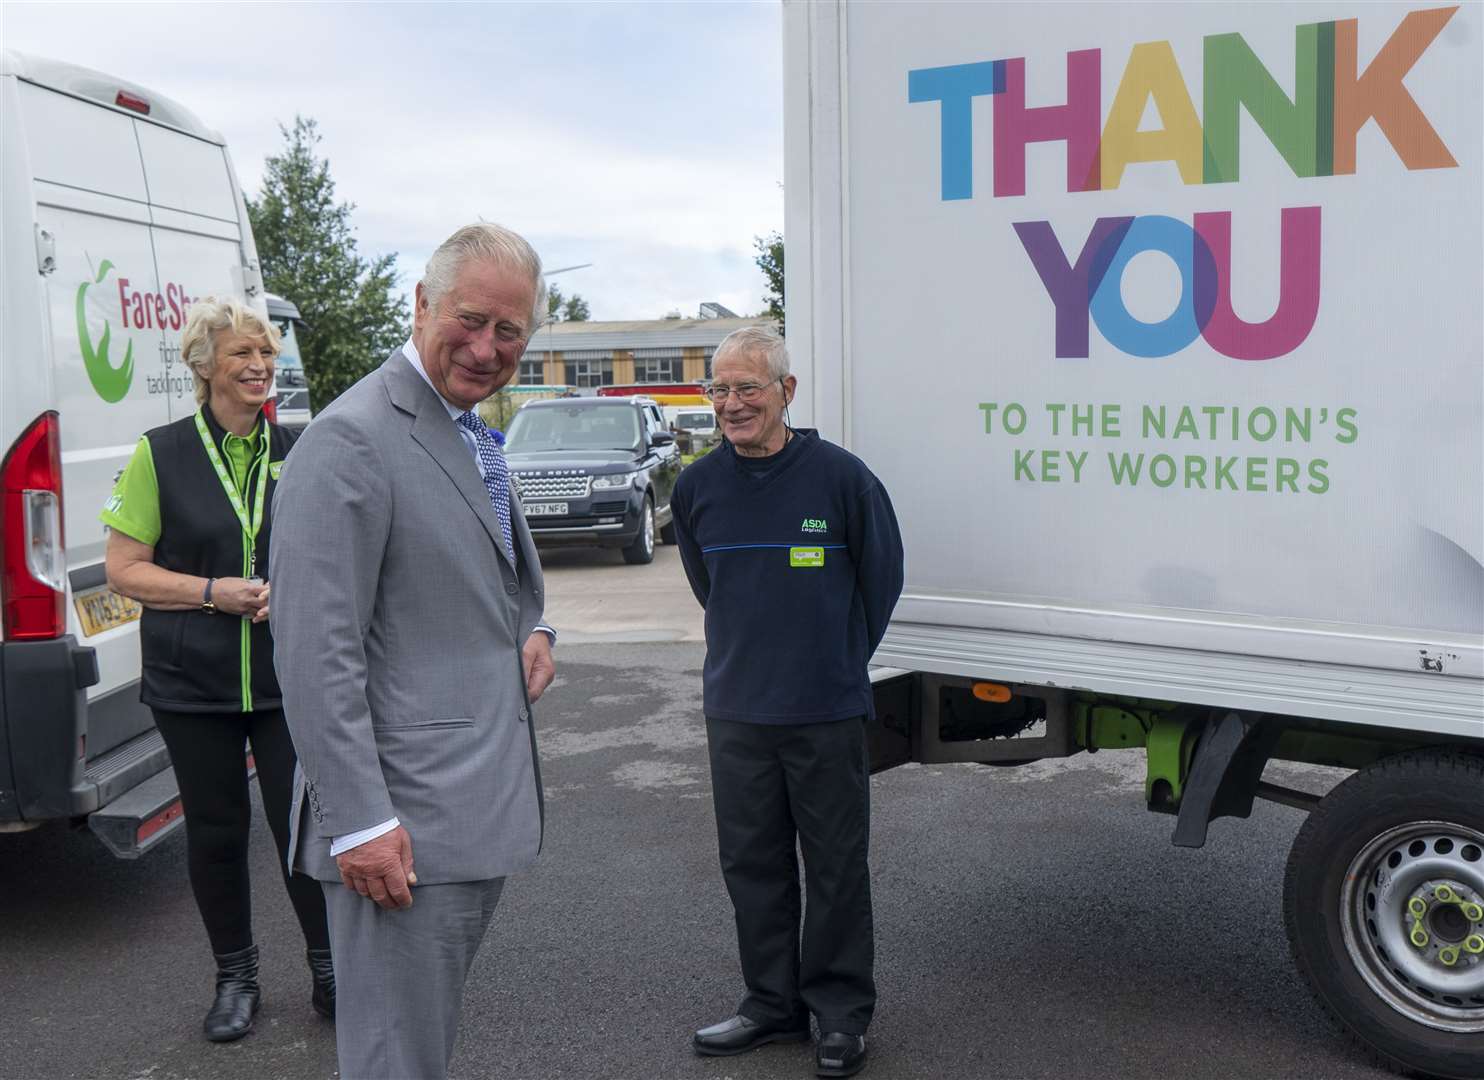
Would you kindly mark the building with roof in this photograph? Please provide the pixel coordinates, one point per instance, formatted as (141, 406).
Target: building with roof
(587, 355)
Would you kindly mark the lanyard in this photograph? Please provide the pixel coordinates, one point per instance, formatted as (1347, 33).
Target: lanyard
(250, 525)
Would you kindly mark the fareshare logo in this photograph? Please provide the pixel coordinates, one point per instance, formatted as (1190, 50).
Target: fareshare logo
(112, 383)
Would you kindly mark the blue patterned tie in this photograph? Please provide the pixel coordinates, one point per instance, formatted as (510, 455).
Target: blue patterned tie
(496, 474)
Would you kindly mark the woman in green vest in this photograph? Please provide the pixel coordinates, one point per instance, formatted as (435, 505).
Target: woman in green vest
(189, 523)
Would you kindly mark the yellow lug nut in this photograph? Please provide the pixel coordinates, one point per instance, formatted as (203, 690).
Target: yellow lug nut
(1474, 944)
(1473, 912)
(1419, 936)
(1448, 955)
(1417, 906)
(1443, 893)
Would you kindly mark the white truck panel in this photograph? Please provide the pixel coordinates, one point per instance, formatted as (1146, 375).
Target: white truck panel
(908, 310)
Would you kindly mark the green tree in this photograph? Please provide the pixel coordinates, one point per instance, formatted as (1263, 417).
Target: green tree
(563, 308)
(353, 313)
(770, 261)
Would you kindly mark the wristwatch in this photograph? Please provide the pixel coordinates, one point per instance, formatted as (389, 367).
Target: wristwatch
(206, 604)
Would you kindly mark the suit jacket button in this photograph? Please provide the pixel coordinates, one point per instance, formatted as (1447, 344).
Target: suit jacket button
(524, 714)
(512, 588)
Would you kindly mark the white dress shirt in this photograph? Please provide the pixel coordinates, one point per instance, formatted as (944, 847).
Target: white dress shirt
(341, 844)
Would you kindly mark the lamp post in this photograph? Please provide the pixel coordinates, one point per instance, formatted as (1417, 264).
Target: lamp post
(550, 351)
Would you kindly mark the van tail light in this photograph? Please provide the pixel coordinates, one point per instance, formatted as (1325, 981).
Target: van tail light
(33, 570)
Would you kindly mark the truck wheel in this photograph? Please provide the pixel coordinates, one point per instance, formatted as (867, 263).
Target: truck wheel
(641, 551)
(1384, 903)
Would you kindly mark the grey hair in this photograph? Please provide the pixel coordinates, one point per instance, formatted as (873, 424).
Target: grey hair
(485, 240)
(209, 317)
(761, 341)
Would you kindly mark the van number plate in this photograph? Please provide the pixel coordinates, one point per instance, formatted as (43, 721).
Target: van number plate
(103, 609)
(546, 509)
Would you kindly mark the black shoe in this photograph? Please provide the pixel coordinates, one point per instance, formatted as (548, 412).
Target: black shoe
(322, 971)
(237, 995)
(839, 1054)
(738, 1034)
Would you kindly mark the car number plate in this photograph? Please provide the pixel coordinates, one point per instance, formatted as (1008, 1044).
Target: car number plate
(547, 509)
(103, 609)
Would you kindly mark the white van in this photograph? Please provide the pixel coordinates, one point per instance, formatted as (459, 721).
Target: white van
(120, 209)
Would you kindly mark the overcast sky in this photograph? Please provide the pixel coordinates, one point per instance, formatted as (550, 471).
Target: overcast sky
(645, 138)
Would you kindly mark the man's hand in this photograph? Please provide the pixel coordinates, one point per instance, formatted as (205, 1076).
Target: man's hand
(381, 869)
(539, 668)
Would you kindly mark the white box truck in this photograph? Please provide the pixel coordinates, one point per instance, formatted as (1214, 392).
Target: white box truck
(119, 209)
(1162, 325)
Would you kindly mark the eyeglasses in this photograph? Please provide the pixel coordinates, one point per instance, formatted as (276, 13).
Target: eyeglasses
(747, 392)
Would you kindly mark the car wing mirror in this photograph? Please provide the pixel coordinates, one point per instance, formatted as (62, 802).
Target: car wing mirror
(661, 438)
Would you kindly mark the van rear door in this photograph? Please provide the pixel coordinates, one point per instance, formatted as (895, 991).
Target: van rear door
(91, 195)
(197, 234)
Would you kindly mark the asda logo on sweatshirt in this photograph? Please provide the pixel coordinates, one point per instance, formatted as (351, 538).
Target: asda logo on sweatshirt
(814, 525)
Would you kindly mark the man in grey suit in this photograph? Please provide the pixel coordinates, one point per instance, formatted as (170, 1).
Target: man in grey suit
(406, 612)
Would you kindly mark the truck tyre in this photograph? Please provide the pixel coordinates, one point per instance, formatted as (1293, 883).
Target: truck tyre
(1384, 904)
(641, 551)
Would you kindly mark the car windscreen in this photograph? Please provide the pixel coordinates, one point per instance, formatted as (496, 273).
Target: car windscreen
(696, 421)
(294, 399)
(590, 427)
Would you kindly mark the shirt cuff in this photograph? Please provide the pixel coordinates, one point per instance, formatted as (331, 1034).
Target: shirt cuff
(548, 631)
(341, 844)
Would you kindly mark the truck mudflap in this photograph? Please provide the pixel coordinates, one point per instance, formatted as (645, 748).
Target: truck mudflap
(889, 734)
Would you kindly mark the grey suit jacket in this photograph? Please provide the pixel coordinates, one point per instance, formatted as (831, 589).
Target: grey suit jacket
(398, 623)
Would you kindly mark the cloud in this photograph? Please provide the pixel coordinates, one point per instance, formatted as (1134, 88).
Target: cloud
(643, 138)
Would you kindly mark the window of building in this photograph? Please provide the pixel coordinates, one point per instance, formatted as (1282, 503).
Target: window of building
(710, 350)
(589, 367)
(658, 365)
(532, 372)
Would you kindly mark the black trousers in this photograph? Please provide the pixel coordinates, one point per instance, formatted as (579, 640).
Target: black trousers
(207, 750)
(775, 787)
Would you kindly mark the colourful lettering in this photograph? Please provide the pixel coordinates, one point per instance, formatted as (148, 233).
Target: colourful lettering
(1152, 73)
(1314, 131)
(1075, 123)
(1093, 285)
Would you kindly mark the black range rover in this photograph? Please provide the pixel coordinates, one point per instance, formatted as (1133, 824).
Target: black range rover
(595, 471)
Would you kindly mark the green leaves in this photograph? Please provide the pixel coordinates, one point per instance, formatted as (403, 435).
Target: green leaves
(353, 314)
(563, 308)
(770, 261)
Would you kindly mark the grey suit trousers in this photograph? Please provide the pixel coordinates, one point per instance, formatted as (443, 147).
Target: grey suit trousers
(399, 976)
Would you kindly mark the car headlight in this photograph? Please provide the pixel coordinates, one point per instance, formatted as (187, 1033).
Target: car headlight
(613, 481)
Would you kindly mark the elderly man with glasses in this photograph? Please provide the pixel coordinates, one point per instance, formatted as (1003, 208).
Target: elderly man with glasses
(791, 546)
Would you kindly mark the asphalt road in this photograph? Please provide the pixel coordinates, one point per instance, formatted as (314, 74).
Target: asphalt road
(1030, 923)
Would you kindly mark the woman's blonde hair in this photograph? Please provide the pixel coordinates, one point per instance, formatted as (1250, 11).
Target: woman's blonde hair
(209, 317)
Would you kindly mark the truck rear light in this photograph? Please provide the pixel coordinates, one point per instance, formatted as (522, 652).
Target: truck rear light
(127, 100)
(33, 565)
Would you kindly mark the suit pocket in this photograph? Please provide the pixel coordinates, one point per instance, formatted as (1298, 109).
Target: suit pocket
(427, 725)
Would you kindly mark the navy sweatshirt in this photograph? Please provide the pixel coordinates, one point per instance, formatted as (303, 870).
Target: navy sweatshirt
(797, 560)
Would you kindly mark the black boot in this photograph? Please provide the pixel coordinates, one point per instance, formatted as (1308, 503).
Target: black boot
(237, 995)
(323, 973)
